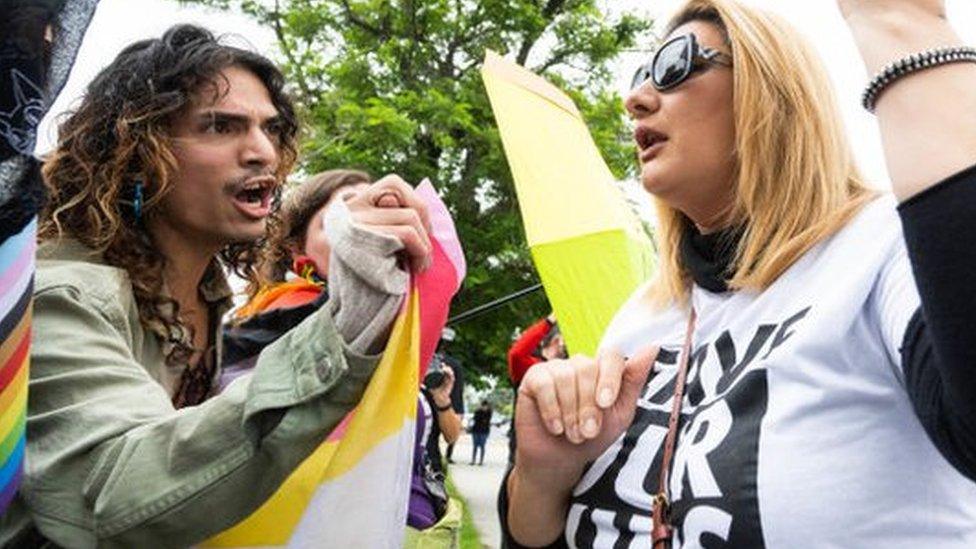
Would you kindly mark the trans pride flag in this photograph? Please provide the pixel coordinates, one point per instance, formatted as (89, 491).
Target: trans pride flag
(353, 490)
(16, 288)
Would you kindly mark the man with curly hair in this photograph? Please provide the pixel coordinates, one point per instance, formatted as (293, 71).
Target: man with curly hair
(165, 176)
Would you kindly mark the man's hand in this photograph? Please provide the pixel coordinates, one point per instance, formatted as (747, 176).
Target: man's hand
(390, 206)
(570, 411)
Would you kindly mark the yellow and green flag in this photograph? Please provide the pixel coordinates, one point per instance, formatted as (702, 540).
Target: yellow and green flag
(588, 245)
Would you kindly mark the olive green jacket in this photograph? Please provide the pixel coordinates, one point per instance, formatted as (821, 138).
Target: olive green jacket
(111, 463)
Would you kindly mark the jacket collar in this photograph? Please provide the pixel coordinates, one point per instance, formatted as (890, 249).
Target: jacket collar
(214, 287)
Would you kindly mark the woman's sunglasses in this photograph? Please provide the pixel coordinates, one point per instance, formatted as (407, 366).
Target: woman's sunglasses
(676, 60)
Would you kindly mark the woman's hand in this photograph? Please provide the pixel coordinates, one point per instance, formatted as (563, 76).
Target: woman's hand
(390, 206)
(568, 412)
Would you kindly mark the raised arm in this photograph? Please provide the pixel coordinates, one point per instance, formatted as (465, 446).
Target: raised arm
(927, 118)
(928, 125)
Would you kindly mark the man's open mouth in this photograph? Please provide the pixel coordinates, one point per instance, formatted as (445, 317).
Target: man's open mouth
(253, 196)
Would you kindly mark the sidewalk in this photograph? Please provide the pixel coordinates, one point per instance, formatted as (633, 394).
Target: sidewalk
(479, 483)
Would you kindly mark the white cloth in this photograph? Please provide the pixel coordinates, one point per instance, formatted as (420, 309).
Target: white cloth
(797, 430)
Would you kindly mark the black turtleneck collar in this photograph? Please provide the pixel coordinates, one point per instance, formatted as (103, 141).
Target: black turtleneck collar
(709, 257)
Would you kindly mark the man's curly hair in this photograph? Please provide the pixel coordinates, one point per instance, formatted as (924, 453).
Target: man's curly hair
(119, 136)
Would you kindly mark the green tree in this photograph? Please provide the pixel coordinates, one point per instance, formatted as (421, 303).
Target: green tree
(393, 86)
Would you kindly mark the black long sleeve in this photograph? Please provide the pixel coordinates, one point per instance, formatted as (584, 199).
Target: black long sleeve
(938, 351)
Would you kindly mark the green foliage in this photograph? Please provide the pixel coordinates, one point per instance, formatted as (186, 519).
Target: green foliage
(470, 539)
(393, 86)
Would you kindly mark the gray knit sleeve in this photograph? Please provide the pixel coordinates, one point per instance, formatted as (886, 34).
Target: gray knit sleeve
(366, 284)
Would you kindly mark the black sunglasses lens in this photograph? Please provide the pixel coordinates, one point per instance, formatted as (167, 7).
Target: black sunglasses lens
(671, 64)
(641, 75)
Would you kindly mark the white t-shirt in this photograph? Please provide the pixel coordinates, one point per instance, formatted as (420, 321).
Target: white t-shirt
(797, 430)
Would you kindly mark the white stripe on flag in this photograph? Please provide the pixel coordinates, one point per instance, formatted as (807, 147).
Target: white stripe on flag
(367, 506)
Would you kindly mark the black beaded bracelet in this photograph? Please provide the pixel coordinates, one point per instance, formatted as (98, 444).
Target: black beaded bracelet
(912, 63)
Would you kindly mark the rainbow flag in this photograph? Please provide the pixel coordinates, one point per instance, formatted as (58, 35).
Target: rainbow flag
(353, 490)
(16, 290)
(579, 228)
(28, 87)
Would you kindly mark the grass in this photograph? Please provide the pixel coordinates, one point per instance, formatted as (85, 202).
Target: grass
(470, 539)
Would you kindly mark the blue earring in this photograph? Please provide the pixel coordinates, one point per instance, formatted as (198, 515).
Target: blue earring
(137, 202)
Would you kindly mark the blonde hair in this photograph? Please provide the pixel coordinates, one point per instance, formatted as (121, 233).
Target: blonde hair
(795, 180)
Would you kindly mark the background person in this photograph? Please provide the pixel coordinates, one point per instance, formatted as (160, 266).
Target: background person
(433, 516)
(539, 342)
(443, 397)
(292, 270)
(480, 429)
(457, 397)
(38, 43)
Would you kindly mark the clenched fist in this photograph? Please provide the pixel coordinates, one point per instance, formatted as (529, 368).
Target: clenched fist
(390, 206)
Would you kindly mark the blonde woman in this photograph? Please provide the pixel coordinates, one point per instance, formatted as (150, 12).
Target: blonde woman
(830, 389)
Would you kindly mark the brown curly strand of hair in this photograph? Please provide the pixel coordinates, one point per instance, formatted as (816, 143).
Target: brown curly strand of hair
(299, 204)
(119, 137)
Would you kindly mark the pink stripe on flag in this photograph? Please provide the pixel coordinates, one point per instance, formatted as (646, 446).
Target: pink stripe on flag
(12, 296)
(23, 262)
(340, 429)
(438, 284)
(443, 227)
(11, 248)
